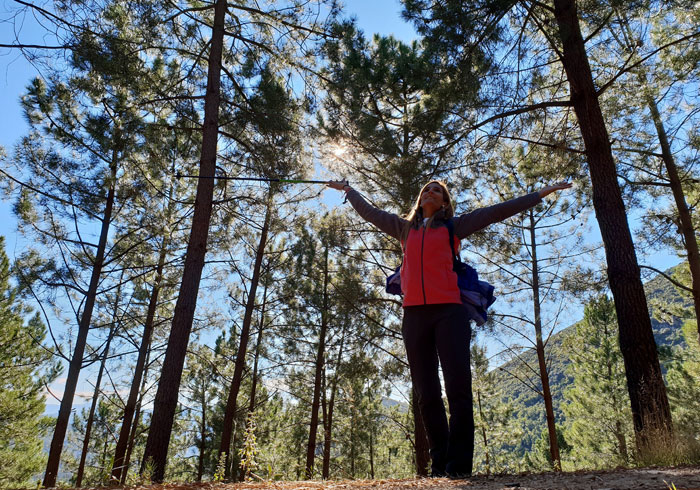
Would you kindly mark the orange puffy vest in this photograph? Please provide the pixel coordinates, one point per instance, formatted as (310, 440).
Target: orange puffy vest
(427, 277)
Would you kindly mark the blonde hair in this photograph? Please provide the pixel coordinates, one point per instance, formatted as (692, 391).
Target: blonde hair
(415, 215)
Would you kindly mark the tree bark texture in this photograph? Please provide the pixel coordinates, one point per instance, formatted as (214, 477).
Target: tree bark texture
(165, 402)
(650, 409)
(244, 338)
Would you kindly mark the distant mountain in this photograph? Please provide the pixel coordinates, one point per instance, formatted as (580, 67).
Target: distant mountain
(530, 405)
(391, 403)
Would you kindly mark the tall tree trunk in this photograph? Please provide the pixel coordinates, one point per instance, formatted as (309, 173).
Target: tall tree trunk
(256, 357)
(103, 461)
(539, 345)
(353, 424)
(165, 402)
(328, 418)
(230, 413)
(483, 433)
(371, 452)
(76, 361)
(119, 453)
(650, 409)
(93, 405)
(687, 229)
(320, 355)
(421, 447)
(135, 424)
(324, 409)
(258, 347)
(202, 434)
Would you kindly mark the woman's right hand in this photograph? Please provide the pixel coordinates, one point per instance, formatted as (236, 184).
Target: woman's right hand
(545, 191)
(337, 184)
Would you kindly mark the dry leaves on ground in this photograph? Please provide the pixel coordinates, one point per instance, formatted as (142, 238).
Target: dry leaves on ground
(685, 478)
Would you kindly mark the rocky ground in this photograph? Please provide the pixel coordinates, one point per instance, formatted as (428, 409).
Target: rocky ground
(681, 478)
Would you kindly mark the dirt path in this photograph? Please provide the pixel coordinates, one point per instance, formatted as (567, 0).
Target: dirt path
(686, 478)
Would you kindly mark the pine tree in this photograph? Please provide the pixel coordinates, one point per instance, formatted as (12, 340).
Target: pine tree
(472, 39)
(654, 130)
(162, 420)
(84, 133)
(149, 238)
(25, 367)
(390, 110)
(536, 258)
(599, 425)
(313, 313)
(496, 430)
(358, 417)
(96, 425)
(395, 453)
(199, 384)
(541, 454)
(683, 379)
(238, 91)
(243, 340)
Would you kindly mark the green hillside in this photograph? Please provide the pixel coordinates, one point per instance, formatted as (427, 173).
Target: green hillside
(529, 405)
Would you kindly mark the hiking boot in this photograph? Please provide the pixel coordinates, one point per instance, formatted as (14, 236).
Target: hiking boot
(456, 471)
(438, 462)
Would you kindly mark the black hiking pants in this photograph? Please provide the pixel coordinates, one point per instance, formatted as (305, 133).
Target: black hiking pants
(442, 332)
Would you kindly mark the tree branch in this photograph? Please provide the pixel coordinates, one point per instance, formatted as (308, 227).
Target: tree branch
(35, 46)
(643, 59)
(666, 276)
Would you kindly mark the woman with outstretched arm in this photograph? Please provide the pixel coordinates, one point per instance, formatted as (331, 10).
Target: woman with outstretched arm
(435, 327)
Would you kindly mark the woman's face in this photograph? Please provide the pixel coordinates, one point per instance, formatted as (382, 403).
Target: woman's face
(431, 199)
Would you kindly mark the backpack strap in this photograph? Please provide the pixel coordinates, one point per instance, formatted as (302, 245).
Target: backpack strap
(451, 231)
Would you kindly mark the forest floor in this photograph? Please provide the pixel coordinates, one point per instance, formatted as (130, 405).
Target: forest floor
(678, 478)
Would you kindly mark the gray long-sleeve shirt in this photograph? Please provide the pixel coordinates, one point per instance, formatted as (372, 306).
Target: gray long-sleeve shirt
(464, 224)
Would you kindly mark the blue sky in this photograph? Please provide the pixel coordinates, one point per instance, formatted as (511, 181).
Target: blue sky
(382, 16)
(374, 16)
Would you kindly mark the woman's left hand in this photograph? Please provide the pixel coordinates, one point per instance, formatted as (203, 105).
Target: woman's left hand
(337, 184)
(545, 191)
